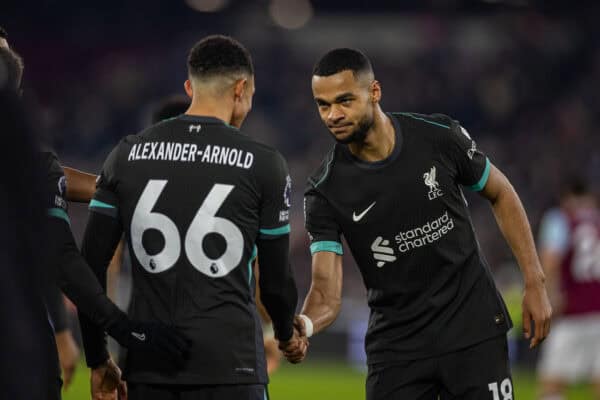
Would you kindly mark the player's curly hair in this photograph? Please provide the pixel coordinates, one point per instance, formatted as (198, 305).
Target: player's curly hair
(218, 55)
(343, 59)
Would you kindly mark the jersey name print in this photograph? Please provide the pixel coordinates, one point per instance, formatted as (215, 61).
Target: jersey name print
(429, 288)
(192, 204)
(189, 152)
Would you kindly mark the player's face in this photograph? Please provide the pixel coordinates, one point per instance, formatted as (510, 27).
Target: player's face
(345, 105)
(243, 102)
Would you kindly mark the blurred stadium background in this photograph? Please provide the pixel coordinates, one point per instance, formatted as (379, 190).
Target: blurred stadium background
(521, 75)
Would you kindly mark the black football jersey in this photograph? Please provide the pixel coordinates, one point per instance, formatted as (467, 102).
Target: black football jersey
(192, 195)
(407, 224)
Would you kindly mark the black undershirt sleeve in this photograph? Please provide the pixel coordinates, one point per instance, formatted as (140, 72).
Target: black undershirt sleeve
(102, 235)
(56, 306)
(278, 290)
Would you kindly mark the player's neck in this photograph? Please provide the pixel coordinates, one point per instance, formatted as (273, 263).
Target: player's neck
(379, 142)
(205, 108)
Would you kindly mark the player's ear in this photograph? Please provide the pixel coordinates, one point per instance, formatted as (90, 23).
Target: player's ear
(239, 88)
(375, 90)
(187, 85)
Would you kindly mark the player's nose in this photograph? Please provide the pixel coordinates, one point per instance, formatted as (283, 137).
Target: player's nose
(335, 115)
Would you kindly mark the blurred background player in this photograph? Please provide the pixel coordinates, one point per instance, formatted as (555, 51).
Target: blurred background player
(569, 242)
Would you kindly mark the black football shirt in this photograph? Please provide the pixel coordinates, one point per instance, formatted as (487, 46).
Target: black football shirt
(407, 224)
(192, 195)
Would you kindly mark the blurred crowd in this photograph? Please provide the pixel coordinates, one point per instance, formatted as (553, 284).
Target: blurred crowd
(524, 85)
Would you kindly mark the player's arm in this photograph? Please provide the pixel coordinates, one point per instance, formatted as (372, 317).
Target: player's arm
(278, 291)
(475, 171)
(81, 186)
(514, 225)
(323, 302)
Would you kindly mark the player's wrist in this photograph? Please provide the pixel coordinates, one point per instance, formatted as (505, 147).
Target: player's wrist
(308, 325)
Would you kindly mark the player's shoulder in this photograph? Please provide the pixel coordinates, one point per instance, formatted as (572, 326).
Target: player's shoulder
(50, 162)
(427, 122)
(321, 174)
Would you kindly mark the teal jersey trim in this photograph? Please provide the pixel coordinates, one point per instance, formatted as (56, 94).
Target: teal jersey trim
(484, 178)
(327, 166)
(331, 246)
(252, 257)
(424, 120)
(59, 213)
(282, 230)
(100, 204)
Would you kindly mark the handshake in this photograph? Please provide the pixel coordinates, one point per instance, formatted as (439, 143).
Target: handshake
(294, 349)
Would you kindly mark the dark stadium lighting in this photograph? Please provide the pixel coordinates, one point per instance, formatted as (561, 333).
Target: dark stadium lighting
(207, 5)
(291, 15)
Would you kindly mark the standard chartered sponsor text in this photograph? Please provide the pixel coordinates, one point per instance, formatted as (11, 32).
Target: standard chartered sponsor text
(426, 234)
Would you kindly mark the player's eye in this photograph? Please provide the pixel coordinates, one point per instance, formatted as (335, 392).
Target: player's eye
(346, 102)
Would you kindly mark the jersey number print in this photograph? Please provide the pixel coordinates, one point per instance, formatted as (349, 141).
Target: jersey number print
(204, 223)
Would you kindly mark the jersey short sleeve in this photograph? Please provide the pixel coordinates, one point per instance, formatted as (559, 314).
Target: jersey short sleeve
(105, 199)
(56, 188)
(554, 232)
(320, 222)
(276, 198)
(472, 165)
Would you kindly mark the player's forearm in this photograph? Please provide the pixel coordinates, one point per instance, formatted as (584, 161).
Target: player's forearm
(514, 225)
(321, 308)
(278, 290)
(100, 240)
(80, 185)
(324, 300)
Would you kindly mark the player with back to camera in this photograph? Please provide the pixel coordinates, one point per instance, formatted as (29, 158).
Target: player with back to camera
(197, 200)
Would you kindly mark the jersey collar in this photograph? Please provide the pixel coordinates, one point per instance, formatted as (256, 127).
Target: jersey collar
(204, 120)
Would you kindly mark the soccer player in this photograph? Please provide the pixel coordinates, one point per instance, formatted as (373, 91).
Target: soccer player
(569, 242)
(392, 186)
(197, 200)
(68, 269)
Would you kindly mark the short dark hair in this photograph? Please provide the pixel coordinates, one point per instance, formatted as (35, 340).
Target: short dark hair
(11, 69)
(3, 33)
(170, 107)
(343, 59)
(219, 55)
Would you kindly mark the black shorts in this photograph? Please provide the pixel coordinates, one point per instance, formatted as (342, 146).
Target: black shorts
(147, 391)
(479, 372)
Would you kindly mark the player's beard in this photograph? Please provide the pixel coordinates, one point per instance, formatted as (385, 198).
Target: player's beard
(360, 133)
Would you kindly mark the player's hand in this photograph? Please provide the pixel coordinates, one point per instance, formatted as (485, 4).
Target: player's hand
(156, 337)
(295, 348)
(68, 355)
(299, 326)
(536, 310)
(106, 383)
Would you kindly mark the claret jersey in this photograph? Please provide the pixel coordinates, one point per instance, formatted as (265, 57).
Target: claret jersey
(192, 195)
(407, 224)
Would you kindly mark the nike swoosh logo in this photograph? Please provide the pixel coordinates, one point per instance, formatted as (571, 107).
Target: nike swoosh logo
(139, 336)
(358, 217)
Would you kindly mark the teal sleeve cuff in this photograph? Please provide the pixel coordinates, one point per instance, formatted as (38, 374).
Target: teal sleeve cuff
(100, 204)
(282, 230)
(59, 213)
(331, 246)
(484, 177)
